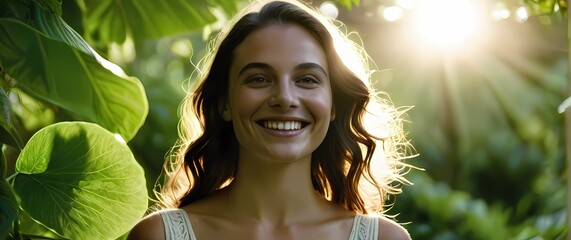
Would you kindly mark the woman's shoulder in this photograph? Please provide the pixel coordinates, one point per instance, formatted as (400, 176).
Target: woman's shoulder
(390, 230)
(150, 227)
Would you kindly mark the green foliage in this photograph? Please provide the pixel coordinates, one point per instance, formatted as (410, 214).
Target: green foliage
(110, 21)
(8, 207)
(8, 134)
(93, 187)
(443, 213)
(538, 7)
(448, 214)
(29, 227)
(3, 163)
(348, 3)
(94, 83)
(53, 5)
(73, 180)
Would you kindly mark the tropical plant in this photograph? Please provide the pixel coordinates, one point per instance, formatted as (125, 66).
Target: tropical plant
(76, 180)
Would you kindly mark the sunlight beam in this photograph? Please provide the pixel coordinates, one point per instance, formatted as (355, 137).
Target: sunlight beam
(446, 23)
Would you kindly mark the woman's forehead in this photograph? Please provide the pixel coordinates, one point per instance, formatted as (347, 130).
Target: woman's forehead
(279, 44)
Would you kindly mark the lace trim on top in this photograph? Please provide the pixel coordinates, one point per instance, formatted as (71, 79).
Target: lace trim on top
(178, 227)
(365, 228)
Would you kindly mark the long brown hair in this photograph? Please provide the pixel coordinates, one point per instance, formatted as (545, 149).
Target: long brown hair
(206, 157)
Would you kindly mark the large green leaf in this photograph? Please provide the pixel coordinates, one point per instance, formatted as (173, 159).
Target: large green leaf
(79, 180)
(8, 208)
(112, 20)
(8, 134)
(84, 84)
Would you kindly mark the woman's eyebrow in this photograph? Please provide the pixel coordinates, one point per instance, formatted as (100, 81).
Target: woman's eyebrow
(310, 65)
(255, 65)
(300, 67)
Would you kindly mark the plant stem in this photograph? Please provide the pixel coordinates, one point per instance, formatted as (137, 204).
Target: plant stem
(12, 176)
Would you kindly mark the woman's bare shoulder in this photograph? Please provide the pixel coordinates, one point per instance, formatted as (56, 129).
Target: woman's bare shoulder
(390, 230)
(150, 227)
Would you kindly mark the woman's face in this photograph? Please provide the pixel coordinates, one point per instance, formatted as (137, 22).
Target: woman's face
(280, 94)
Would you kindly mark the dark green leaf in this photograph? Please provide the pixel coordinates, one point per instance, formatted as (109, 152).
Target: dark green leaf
(54, 27)
(53, 5)
(84, 84)
(15, 9)
(112, 20)
(8, 134)
(8, 208)
(79, 180)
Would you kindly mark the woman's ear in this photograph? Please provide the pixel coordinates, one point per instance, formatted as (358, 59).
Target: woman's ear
(225, 114)
(333, 113)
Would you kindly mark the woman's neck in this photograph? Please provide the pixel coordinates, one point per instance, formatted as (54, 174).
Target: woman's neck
(275, 192)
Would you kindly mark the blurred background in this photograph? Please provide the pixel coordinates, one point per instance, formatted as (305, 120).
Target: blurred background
(484, 80)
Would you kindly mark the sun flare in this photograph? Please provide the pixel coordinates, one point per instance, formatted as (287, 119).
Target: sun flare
(447, 23)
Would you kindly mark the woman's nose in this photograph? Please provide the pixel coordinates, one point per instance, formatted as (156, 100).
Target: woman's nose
(284, 95)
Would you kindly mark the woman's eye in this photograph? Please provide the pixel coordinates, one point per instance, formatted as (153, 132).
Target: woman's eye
(257, 81)
(308, 81)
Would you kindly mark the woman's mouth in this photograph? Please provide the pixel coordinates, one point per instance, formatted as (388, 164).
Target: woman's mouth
(282, 125)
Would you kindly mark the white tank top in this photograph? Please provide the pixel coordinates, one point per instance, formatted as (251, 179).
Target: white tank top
(178, 227)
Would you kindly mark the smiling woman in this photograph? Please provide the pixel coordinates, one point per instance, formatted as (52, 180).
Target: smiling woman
(274, 143)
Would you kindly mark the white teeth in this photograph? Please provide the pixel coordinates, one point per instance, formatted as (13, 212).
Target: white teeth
(283, 125)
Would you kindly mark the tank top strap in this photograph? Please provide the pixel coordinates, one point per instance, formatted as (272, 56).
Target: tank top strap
(177, 225)
(365, 228)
